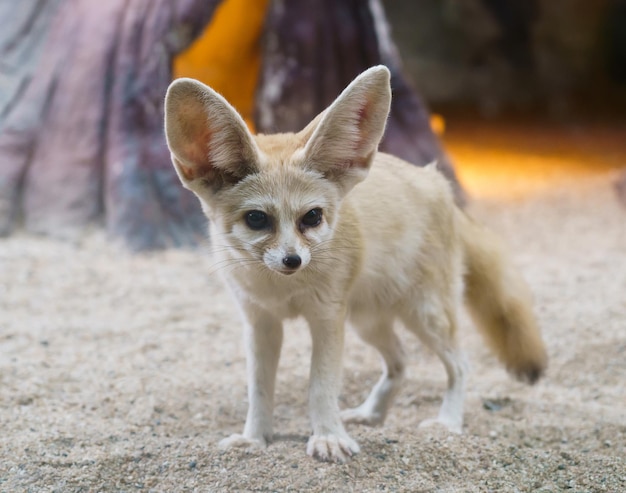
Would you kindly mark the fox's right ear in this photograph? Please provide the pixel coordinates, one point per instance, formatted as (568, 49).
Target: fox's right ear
(210, 143)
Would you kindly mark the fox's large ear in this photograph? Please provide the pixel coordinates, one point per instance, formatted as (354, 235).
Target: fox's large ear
(210, 143)
(346, 138)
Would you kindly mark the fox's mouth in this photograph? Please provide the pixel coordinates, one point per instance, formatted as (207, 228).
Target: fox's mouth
(286, 271)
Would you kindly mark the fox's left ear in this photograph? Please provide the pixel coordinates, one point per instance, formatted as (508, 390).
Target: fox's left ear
(344, 143)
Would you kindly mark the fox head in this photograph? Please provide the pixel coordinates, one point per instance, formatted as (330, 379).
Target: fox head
(274, 199)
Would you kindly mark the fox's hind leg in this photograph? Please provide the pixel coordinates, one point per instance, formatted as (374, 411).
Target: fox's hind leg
(379, 333)
(436, 326)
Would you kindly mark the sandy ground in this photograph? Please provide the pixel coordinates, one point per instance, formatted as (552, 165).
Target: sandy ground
(121, 372)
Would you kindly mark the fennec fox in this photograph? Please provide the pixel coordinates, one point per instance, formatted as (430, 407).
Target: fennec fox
(306, 232)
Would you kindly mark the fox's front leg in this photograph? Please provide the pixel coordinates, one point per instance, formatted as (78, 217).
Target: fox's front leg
(263, 340)
(329, 441)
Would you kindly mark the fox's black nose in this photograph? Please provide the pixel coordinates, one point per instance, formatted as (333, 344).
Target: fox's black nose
(292, 261)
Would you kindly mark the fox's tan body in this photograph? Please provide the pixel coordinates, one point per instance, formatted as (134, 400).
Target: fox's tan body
(392, 246)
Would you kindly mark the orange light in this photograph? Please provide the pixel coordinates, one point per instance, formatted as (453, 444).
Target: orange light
(510, 161)
(227, 56)
(438, 124)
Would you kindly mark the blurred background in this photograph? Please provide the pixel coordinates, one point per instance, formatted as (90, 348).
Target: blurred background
(510, 96)
(558, 58)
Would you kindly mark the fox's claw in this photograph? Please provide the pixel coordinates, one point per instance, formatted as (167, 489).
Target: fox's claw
(360, 416)
(237, 440)
(331, 448)
(450, 425)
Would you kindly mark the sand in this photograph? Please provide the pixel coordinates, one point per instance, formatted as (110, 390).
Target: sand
(121, 372)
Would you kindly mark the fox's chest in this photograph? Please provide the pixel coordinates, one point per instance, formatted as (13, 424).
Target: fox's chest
(283, 296)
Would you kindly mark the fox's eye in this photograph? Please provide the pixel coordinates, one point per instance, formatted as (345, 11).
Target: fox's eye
(312, 218)
(257, 220)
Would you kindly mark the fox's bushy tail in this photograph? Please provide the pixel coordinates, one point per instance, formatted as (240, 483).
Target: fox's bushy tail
(500, 303)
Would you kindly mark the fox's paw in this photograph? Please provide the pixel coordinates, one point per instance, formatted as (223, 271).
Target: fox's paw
(451, 425)
(361, 416)
(332, 448)
(237, 440)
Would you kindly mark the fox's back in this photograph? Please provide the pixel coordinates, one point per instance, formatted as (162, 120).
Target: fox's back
(407, 220)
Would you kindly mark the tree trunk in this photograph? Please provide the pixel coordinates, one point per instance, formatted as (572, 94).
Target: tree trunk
(314, 48)
(81, 90)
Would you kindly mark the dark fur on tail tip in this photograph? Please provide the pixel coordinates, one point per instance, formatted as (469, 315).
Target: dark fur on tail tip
(530, 374)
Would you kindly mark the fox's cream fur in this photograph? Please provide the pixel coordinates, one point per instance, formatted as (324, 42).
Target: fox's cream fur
(319, 224)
